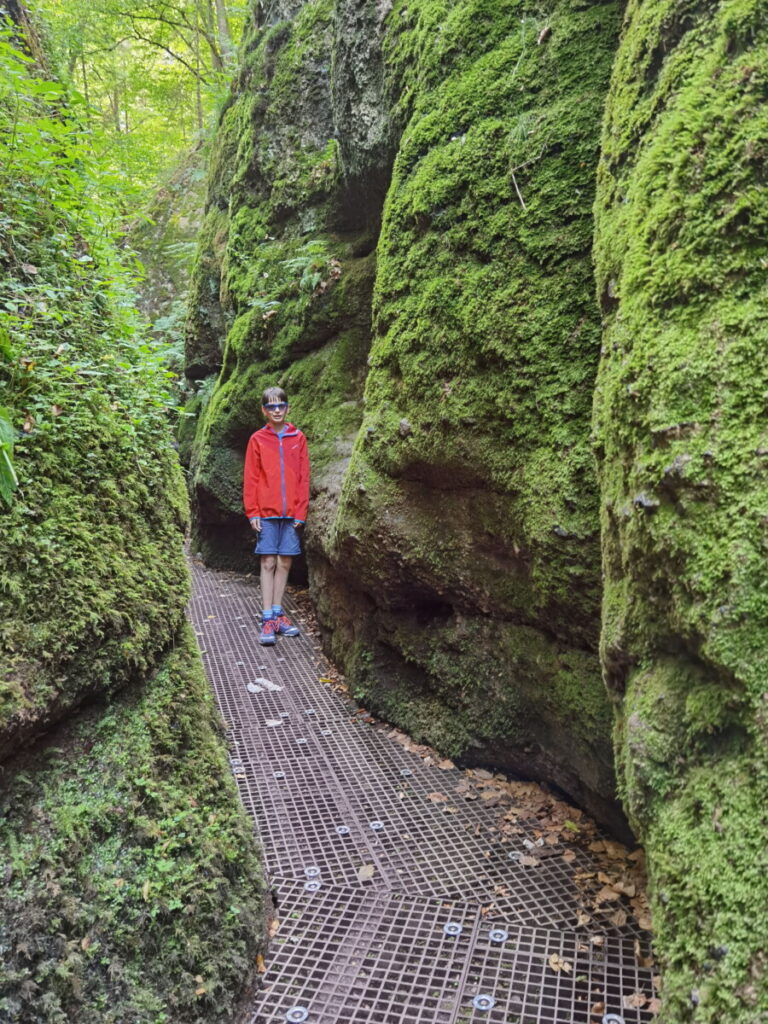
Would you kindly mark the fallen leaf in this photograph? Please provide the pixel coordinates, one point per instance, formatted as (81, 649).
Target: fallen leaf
(261, 967)
(274, 924)
(145, 890)
(597, 1009)
(654, 1006)
(29, 268)
(29, 424)
(635, 1002)
(569, 855)
(118, 882)
(85, 943)
(583, 919)
(557, 963)
(618, 918)
(56, 410)
(529, 862)
(597, 847)
(366, 872)
(437, 798)
(481, 773)
(446, 764)
(201, 990)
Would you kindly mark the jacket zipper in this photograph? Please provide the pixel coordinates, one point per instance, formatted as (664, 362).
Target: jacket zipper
(282, 476)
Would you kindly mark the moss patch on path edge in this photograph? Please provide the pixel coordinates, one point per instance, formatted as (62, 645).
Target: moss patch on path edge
(132, 889)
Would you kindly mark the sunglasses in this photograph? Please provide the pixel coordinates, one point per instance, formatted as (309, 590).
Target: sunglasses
(272, 406)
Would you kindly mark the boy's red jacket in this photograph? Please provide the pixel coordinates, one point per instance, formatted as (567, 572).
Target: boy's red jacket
(276, 477)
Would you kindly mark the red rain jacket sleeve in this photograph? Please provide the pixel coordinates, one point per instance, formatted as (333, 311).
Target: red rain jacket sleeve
(302, 482)
(251, 479)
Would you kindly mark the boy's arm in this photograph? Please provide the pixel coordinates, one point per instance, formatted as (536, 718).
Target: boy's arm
(251, 482)
(302, 483)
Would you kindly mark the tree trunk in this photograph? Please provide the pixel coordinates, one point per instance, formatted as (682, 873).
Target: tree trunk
(225, 34)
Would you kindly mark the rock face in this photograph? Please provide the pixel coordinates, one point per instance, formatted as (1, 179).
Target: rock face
(128, 867)
(443, 371)
(422, 284)
(681, 433)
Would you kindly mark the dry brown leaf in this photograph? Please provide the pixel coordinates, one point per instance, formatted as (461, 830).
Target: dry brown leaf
(597, 1009)
(583, 919)
(437, 798)
(274, 924)
(529, 862)
(606, 895)
(446, 764)
(627, 888)
(597, 847)
(481, 773)
(366, 872)
(635, 1002)
(615, 850)
(654, 1006)
(145, 890)
(569, 855)
(261, 967)
(201, 990)
(557, 963)
(85, 943)
(618, 918)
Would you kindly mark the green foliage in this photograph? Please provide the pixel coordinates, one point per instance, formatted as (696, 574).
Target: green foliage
(8, 479)
(131, 887)
(150, 74)
(92, 583)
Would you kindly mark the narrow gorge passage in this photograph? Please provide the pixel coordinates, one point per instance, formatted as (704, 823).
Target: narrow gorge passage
(389, 908)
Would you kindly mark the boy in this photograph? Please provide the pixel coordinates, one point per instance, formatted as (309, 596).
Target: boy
(276, 498)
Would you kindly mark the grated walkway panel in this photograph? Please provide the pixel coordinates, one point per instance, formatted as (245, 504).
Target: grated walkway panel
(443, 925)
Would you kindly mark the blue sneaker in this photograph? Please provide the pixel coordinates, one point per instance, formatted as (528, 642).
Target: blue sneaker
(285, 627)
(267, 636)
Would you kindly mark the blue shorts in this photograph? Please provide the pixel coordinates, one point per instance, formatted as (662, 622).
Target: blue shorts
(278, 537)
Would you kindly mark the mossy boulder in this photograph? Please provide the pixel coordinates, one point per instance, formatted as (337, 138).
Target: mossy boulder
(283, 282)
(681, 442)
(471, 132)
(131, 886)
(468, 524)
(129, 868)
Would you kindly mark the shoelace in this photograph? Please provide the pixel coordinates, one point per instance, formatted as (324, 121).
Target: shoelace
(269, 626)
(283, 620)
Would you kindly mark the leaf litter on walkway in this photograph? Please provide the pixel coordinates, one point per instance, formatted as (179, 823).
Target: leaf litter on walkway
(610, 878)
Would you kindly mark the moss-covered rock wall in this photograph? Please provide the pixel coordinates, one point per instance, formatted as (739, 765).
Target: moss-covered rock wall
(131, 887)
(680, 424)
(453, 542)
(468, 526)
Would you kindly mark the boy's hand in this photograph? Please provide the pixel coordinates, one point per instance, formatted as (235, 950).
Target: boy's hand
(297, 524)
(256, 525)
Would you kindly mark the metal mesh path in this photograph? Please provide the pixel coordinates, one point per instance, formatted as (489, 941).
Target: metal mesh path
(390, 909)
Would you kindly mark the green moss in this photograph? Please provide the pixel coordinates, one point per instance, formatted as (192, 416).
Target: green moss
(132, 886)
(680, 403)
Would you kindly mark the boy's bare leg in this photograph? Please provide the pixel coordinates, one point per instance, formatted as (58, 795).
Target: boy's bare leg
(281, 578)
(268, 574)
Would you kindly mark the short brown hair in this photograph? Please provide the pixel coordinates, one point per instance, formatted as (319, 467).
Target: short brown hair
(273, 394)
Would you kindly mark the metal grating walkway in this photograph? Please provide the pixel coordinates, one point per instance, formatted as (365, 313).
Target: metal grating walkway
(392, 910)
